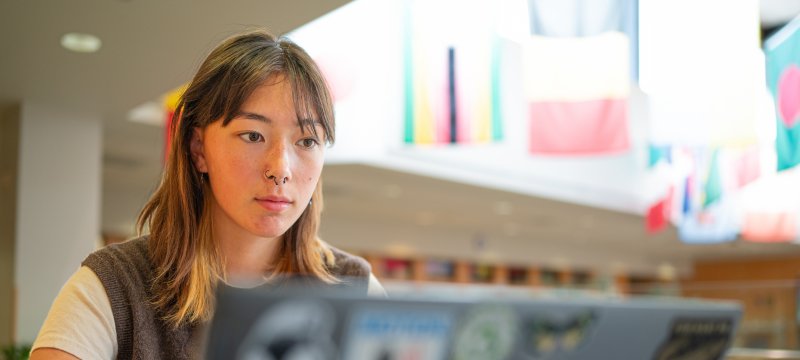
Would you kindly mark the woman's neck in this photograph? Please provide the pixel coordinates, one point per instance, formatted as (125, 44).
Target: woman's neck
(245, 256)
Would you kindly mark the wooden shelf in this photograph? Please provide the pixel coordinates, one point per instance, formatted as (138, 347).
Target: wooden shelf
(470, 272)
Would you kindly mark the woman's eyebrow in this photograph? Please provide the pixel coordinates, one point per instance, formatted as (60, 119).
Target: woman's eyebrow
(303, 123)
(253, 116)
(309, 123)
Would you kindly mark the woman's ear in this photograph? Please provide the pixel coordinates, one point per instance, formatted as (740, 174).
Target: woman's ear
(197, 150)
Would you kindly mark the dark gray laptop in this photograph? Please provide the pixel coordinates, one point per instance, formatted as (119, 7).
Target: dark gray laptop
(306, 323)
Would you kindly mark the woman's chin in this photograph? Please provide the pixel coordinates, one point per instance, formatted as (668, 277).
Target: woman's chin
(269, 232)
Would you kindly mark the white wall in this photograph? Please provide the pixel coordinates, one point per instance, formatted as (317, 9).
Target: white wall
(58, 206)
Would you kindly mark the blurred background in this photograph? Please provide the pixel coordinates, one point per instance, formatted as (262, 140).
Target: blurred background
(585, 147)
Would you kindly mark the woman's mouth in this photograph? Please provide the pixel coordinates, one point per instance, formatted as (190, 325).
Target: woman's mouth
(274, 203)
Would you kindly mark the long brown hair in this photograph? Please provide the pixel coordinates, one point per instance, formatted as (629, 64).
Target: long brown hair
(187, 263)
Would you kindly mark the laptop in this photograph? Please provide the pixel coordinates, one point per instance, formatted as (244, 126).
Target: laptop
(319, 323)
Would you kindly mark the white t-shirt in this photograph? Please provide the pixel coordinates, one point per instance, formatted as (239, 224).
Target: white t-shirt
(81, 323)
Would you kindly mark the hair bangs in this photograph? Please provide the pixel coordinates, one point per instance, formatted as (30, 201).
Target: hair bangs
(312, 99)
(243, 78)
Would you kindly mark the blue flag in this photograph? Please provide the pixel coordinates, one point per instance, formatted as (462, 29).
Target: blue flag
(715, 224)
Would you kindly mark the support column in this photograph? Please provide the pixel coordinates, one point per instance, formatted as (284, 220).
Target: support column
(376, 263)
(462, 272)
(418, 271)
(534, 277)
(500, 274)
(565, 277)
(58, 206)
(622, 283)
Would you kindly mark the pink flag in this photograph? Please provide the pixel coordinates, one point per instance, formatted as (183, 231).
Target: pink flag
(579, 127)
(770, 227)
(747, 166)
(577, 90)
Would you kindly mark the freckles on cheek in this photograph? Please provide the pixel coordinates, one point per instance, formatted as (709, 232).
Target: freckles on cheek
(241, 167)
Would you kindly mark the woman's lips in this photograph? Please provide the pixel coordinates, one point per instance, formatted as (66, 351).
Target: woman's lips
(274, 203)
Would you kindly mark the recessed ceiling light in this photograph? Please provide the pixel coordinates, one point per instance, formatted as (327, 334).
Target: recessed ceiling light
(150, 113)
(83, 43)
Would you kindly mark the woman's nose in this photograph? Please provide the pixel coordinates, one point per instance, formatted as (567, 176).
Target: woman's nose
(278, 164)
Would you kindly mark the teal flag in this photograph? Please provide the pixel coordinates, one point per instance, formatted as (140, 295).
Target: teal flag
(783, 78)
(713, 188)
(658, 153)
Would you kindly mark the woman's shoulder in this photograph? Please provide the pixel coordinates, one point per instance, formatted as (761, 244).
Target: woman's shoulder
(130, 250)
(347, 264)
(127, 259)
(357, 270)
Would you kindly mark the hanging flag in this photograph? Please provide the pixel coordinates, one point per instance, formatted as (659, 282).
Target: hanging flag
(681, 180)
(452, 72)
(578, 18)
(708, 178)
(714, 224)
(707, 183)
(577, 89)
(658, 214)
(695, 161)
(577, 76)
(712, 206)
(698, 179)
(783, 79)
(170, 102)
(657, 154)
(747, 166)
(687, 197)
(770, 227)
(713, 186)
(770, 207)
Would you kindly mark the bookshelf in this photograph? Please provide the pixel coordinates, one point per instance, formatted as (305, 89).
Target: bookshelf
(459, 271)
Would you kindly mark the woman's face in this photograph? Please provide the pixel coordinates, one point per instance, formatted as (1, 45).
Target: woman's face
(262, 167)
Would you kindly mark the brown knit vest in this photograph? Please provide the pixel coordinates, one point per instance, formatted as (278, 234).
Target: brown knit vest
(126, 272)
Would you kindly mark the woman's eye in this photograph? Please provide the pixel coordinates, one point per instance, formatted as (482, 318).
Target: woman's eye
(309, 143)
(251, 136)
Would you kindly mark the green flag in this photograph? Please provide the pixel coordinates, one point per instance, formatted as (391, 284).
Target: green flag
(783, 78)
(713, 188)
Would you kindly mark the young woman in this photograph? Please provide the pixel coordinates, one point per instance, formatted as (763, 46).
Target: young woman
(240, 201)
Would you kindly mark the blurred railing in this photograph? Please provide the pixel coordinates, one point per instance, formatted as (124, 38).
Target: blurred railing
(770, 318)
(761, 354)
